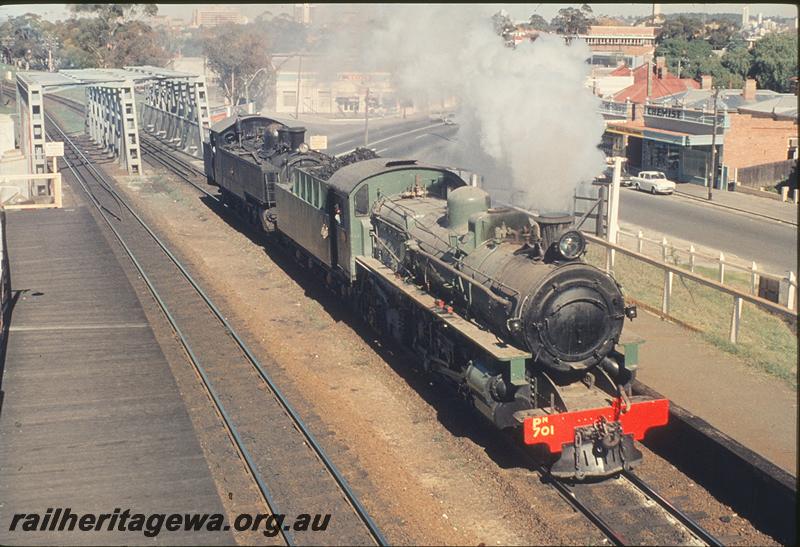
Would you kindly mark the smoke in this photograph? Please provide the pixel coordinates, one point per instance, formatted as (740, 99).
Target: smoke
(527, 122)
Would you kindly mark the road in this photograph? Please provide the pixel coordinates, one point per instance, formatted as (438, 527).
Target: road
(772, 245)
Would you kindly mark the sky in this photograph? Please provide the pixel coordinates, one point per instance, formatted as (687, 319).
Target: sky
(517, 11)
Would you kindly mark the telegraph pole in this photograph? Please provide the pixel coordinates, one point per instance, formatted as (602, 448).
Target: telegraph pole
(366, 119)
(297, 101)
(713, 147)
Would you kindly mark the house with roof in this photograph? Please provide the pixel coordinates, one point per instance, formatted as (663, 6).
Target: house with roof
(760, 144)
(651, 81)
(673, 133)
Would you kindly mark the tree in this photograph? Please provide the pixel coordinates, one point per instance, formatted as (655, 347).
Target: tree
(190, 43)
(572, 21)
(737, 59)
(538, 22)
(689, 54)
(280, 33)
(775, 61)
(720, 33)
(682, 27)
(138, 44)
(27, 40)
(502, 23)
(235, 53)
(720, 76)
(112, 35)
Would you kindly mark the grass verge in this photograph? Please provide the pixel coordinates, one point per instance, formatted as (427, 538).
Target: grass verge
(766, 342)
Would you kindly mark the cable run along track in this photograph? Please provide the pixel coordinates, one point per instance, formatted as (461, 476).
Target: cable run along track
(625, 509)
(291, 470)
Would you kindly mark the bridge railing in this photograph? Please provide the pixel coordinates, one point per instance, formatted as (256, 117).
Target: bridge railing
(31, 191)
(5, 280)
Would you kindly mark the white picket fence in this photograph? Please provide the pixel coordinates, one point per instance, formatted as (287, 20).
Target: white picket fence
(670, 271)
(667, 251)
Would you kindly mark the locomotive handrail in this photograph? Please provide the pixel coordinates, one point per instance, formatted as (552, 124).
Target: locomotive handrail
(473, 272)
(736, 293)
(504, 302)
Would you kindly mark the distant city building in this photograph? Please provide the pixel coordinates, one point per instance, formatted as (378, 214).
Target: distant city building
(166, 21)
(304, 13)
(340, 93)
(214, 16)
(745, 16)
(615, 45)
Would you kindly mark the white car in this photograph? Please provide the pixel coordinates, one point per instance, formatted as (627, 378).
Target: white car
(654, 182)
(449, 119)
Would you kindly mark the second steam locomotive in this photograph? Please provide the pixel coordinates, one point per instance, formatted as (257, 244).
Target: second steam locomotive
(495, 301)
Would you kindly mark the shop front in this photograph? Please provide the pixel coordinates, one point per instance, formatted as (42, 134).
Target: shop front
(682, 157)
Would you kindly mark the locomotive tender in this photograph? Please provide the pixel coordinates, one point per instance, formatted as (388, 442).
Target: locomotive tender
(495, 301)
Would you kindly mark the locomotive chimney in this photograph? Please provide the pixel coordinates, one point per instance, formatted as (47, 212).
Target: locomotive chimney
(296, 137)
(552, 226)
(283, 135)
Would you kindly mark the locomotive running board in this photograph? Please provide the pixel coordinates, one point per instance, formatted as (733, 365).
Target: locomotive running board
(487, 340)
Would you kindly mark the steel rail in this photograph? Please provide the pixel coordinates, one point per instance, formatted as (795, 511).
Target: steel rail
(682, 517)
(231, 428)
(157, 157)
(154, 148)
(615, 536)
(301, 426)
(164, 148)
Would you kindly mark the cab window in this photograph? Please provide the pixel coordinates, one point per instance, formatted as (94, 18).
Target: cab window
(362, 201)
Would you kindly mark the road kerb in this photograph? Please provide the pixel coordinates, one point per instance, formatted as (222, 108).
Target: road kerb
(701, 200)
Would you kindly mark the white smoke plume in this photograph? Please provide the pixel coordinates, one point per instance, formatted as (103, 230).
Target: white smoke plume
(527, 122)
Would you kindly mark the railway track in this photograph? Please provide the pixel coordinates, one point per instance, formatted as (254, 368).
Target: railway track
(620, 506)
(158, 154)
(630, 512)
(291, 471)
(625, 509)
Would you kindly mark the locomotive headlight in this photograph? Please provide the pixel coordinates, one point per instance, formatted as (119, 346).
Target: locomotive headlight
(303, 148)
(571, 245)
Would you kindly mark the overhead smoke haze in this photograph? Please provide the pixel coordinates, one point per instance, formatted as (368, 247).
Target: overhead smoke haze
(527, 122)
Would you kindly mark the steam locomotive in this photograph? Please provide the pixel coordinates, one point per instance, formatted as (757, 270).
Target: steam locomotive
(495, 301)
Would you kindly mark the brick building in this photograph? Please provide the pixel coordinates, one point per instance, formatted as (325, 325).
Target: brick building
(673, 133)
(612, 45)
(763, 132)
